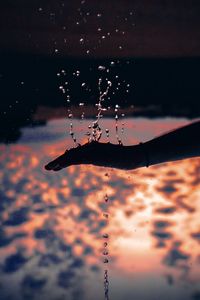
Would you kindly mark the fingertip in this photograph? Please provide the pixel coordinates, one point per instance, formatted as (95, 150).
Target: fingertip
(47, 167)
(57, 169)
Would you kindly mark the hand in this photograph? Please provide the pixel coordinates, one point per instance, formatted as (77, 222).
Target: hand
(99, 154)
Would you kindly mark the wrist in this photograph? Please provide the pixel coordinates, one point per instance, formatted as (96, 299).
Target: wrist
(145, 152)
(134, 157)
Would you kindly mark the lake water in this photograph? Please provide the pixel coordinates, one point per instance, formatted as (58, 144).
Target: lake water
(52, 224)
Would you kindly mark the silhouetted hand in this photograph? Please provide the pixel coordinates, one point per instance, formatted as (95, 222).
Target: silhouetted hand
(99, 154)
(179, 144)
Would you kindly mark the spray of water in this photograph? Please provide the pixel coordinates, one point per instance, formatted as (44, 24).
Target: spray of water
(106, 285)
(96, 129)
(105, 253)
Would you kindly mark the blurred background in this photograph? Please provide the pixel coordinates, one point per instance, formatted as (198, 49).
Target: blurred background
(54, 226)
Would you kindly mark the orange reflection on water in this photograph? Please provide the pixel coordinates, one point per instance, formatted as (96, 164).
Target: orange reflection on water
(153, 222)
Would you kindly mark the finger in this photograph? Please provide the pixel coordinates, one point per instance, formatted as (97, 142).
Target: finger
(57, 169)
(52, 165)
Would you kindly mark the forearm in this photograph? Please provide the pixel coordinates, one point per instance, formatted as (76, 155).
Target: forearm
(175, 145)
(178, 144)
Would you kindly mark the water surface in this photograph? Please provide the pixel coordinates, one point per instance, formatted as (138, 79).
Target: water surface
(52, 224)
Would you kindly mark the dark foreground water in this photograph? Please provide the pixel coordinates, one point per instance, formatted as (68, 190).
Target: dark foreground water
(52, 225)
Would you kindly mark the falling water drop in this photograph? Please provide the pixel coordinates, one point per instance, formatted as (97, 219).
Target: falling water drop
(96, 129)
(107, 133)
(106, 215)
(81, 40)
(106, 285)
(105, 252)
(106, 198)
(101, 68)
(105, 236)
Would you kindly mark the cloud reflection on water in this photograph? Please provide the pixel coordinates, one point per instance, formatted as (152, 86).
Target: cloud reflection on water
(52, 225)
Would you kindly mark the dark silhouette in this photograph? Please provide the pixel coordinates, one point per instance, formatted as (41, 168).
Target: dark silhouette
(178, 144)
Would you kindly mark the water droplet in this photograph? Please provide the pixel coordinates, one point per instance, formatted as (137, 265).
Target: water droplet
(105, 252)
(105, 236)
(101, 68)
(107, 133)
(106, 198)
(94, 125)
(106, 215)
(105, 260)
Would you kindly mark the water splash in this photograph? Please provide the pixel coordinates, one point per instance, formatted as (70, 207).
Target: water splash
(105, 253)
(106, 80)
(123, 124)
(71, 132)
(116, 125)
(107, 134)
(106, 285)
(96, 129)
